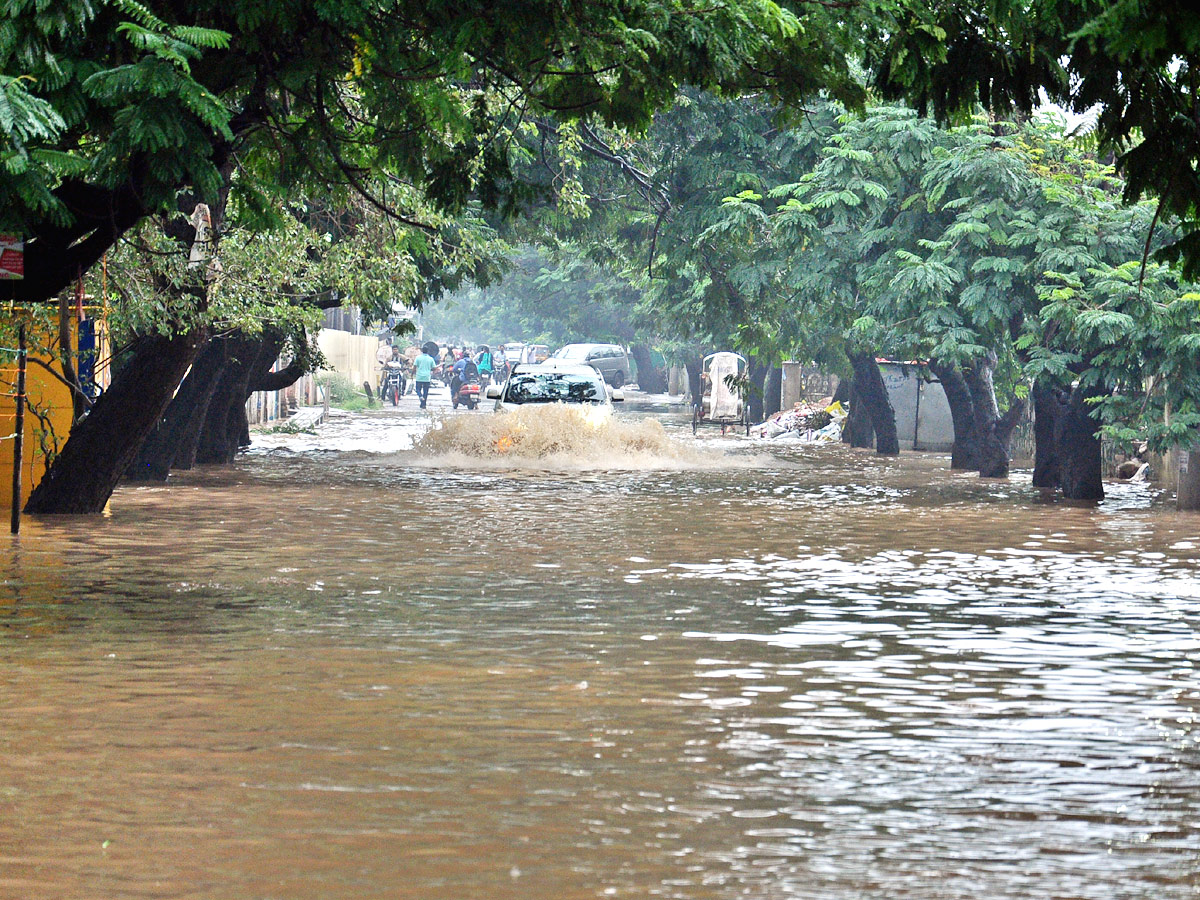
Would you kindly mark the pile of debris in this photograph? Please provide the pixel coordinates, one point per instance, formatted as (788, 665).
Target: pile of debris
(1136, 466)
(808, 423)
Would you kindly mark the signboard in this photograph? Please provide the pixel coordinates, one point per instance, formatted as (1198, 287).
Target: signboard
(12, 256)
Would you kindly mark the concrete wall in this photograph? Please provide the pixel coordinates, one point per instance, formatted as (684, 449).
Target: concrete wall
(352, 355)
(791, 390)
(923, 419)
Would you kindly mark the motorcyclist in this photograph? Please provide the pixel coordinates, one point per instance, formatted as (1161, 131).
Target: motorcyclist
(484, 362)
(463, 369)
(383, 354)
(404, 366)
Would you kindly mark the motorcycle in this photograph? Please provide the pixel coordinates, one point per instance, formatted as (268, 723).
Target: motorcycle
(466, 391)
(393, 385)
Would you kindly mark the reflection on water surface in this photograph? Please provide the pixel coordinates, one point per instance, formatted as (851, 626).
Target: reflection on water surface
(800, 674)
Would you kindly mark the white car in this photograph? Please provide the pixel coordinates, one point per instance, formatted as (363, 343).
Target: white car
(553, 381)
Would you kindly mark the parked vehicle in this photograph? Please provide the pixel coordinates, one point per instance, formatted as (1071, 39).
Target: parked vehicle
(554, 381)
(609, 360)
(393, 384)
(723, 394)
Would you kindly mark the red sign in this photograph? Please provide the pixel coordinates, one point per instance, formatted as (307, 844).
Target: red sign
(12, 256)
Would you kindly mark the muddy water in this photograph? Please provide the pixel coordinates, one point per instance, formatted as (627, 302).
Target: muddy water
(781, 673)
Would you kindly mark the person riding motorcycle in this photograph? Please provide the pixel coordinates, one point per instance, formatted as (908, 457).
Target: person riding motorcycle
(395, 369)
(463, 369)
(484, 362)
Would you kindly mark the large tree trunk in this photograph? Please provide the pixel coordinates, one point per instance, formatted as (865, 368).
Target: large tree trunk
(173, 443)
(101, 446)
(841, 393)
(857, 431)
(773, 391)
(209, 373)
(964, 454)
(1048, 399)
(844, 394)
(221, 434)
(993, 431)
(871, 393)
(193, 427)
(650, 379)
(1078, 448)
(226, 427)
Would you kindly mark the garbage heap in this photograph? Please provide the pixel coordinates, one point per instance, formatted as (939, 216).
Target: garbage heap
(807, 423)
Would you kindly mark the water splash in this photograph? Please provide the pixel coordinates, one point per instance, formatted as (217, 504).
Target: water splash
(558, 436)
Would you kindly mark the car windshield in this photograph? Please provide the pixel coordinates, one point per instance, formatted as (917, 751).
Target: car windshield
(554, 387)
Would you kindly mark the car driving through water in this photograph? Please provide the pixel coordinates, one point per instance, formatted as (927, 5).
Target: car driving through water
(553, 382)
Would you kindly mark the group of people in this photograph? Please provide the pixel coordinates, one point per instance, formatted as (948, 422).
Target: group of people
(420, 363)
(487, 362)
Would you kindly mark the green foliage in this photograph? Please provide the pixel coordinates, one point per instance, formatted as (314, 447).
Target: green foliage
(1132, 66)
(342, 392)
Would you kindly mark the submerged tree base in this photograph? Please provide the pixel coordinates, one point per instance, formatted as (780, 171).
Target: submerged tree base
(102, 446)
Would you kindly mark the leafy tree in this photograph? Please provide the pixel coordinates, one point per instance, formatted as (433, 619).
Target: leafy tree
(1134, 64)
(654, 211)
(123, 109)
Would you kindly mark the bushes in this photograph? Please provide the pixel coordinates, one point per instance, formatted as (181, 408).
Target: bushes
(342, 392)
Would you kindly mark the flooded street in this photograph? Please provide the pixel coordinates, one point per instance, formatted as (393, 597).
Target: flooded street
(711, 669)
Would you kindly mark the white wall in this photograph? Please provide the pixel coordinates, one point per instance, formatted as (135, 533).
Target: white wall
(923, 419)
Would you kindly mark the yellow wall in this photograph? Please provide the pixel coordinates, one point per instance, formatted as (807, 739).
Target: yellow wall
(46, 394)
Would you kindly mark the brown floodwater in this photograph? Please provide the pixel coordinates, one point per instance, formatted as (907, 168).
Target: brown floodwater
(714, 668)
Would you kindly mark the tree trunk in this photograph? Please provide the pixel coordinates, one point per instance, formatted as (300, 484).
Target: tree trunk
(872, 394)
(650, 379)
(1078, 448)
(221, 434)
(773, 391)
(993, 431)
(756, 374)
(222, 429)
(1048, 399)
(841, 393)
(964, 454)
(173, 443)
(101, 447)
(694, 367)
(858, 431)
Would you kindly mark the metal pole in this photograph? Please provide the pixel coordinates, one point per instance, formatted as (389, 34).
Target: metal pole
(19, 436)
